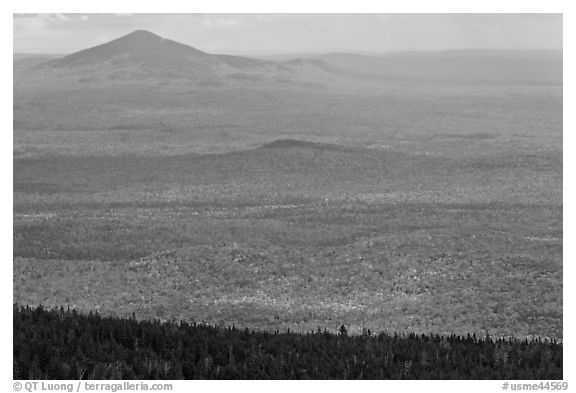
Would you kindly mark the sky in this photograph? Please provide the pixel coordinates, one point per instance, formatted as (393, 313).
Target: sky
(294, 33)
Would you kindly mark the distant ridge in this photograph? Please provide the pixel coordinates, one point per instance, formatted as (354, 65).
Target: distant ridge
(296, 144)
(143, 54)
(287, 143)
(500, 66)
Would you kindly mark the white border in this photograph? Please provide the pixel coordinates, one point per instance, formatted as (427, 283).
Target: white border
(263, 6)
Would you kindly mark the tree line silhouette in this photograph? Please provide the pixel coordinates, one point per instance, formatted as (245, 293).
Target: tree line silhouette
(64, 344)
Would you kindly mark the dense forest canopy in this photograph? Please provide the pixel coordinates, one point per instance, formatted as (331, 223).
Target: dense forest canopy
(65, 344)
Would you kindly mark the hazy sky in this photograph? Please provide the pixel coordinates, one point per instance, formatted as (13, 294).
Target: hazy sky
(294, 33)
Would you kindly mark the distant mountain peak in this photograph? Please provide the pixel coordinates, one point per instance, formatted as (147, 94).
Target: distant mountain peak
(141, 54)
(140, 46)
(142, 36)
(143, 33)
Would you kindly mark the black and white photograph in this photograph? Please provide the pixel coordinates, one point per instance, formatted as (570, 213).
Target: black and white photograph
(287, 196)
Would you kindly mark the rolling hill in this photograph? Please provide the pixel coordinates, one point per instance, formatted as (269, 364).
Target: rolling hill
(496, 66)
(296, 234)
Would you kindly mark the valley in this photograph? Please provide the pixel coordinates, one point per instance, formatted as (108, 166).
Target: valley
(314, 201)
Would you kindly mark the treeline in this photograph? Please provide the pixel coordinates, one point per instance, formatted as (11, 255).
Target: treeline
(64, 344)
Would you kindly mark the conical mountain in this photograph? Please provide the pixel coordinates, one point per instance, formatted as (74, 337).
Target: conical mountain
(142, 55)
(140, 47)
